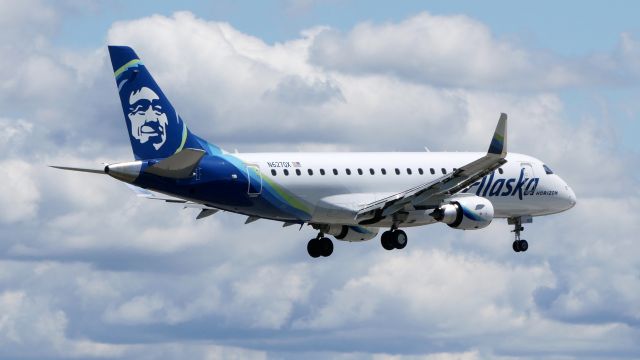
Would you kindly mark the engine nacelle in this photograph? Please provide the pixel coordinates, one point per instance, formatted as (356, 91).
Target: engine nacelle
(465, 212)
(349, 233)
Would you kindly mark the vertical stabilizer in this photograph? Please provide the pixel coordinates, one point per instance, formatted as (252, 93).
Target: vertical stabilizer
(155, 128)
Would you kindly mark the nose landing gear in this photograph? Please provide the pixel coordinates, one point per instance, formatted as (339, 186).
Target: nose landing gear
(519, 245)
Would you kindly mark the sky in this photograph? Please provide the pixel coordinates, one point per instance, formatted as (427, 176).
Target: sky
(88, 270)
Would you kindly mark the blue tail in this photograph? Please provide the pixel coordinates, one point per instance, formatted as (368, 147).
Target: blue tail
(155, 128)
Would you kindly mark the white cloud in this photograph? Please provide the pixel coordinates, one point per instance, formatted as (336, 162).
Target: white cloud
(30, 324)
(295, 90)
(440, 50)
(273, 292)
(20, 21)
(19, 195)
(469, 355)
(13, 133)
(427, 300)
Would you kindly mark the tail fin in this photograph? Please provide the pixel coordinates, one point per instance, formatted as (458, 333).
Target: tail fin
(155, 128)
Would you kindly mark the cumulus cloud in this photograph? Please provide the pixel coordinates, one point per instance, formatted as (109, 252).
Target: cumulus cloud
(30, 324)
(440, 50)
(458, 51)
(295, 90)
(282, 288)
(89, 270)
(427, 300)
(19, 194)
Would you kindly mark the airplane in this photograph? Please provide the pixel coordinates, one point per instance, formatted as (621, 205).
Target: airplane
(349, 196)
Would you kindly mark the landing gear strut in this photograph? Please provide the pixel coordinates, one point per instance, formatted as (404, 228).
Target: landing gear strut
(518, 244)
(393, 239)
(320, 246)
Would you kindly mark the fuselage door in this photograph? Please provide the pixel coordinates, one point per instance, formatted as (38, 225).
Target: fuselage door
(528, 170)
(254, 180)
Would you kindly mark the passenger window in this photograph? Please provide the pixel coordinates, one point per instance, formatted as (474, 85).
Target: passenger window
(348, 171)
(397, 171)
(359, 171)
(383, 171)
(321, 171)
(372, 172)
(409, 171)
(547, 170)
(310, 172)
(433, 172)
(273, 172)
(335, 171)
(298, 172)
(420, 171)
(286, 172)
(444, 171)
(500, 170)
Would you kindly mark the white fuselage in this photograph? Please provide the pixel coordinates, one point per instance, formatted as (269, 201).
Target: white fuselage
(521, 187)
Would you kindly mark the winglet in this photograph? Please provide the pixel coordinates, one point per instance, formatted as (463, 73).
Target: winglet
(499, 141)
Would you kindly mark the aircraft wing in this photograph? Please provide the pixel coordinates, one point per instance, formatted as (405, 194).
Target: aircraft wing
(430, 195)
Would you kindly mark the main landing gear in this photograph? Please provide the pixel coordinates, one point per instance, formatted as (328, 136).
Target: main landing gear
(518, 244)
(393, 239)
(320, 246)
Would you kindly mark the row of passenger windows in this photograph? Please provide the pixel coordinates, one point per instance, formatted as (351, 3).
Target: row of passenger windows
(383, 171)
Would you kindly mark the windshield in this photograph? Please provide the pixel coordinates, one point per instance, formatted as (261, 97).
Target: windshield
(547, 169)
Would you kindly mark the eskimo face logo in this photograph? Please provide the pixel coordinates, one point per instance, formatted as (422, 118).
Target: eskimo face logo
(148, 118)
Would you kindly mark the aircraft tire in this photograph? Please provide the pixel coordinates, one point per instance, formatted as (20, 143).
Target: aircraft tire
(523, 245)
(516, 246)
(387, 240)
(520, 245)
(400, 239)
(314, 248)
(326, 246)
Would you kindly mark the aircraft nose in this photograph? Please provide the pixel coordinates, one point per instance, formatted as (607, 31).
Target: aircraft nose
(569, 195)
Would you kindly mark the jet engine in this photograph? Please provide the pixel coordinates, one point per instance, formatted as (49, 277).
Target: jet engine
(465, 212)
(349, 233)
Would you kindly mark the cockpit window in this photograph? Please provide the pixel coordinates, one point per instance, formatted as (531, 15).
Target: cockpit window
(547, 169)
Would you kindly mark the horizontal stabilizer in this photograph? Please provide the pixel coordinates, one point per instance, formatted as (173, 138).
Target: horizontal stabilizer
(177, 166)
(140, 192)
(205, 210)
(146, 194)
(94, 171)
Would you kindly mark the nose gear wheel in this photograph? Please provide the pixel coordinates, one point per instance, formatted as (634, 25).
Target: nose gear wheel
(519, 245)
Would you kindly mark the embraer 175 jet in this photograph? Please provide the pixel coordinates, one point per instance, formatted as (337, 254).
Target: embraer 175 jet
(349, 196)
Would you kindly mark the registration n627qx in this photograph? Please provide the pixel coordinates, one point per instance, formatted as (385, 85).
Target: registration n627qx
(349, 196)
